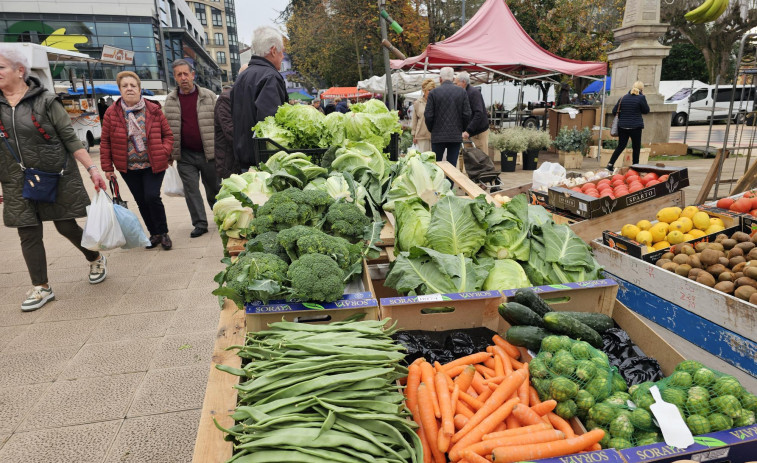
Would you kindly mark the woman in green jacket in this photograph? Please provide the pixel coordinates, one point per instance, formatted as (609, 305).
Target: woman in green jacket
(37, 133)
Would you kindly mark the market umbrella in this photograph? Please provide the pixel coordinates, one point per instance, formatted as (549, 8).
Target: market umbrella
(299, 96)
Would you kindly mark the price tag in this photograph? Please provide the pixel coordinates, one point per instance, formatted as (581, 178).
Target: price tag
(430, 298)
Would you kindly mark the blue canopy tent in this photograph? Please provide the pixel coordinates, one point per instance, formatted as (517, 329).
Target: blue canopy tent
(596, 86)
(105, 89)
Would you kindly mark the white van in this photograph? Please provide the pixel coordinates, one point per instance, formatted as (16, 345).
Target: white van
(701, 103)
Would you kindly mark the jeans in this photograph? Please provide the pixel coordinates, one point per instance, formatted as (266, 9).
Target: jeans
(453, 151)
(192, 166)
(623, 136)
(33, 248)
(145, 185)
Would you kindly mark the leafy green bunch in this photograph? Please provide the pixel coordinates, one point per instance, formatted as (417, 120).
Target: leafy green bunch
(572, 139)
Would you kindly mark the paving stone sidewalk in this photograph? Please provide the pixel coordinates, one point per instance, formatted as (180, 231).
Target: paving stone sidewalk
(114, 372)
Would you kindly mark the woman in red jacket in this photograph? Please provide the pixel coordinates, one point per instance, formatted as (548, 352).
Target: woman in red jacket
(136, 140)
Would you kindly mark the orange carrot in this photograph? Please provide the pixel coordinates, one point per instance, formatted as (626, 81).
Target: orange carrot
(424, 442)
(478, 383)
(499, 367)
(511, 350)
(518, 431)
(489, 363)
(469, 360)
(496, 400)
(443, 441)
(472, 457)
(484, 427)
(594, 447)
(413, 380)
(470, 401)
(460, 421)
(445, 405)
(526, 416)
(418, 361)
(486, 446)
(430, 427)
(500, 427)
(485, 372)
(544, 407)
(463, 409)
(561, 425)
(427, 376)
(533, 396)
(454, 398)
(495, 380)
(523, 390)
(516, 364)
(437, 366)
(512, 422)
(455, 371)
(507, 362)
(487, 393)
(514, 453)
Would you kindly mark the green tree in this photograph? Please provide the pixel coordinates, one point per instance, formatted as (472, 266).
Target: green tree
(684, 62)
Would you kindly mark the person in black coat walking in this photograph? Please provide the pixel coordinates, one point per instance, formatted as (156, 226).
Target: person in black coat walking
(629, 109)
(257, 93)
(447, 116)
(478, 127)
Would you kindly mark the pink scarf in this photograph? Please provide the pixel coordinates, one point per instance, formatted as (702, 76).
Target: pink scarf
(135, 133)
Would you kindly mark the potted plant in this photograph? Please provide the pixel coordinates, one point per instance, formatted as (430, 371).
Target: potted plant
(572, 145)
(537, 141)
(509, 142)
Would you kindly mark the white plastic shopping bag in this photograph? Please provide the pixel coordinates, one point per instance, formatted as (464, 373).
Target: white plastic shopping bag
(102, 231)
(172, 185)
(131, 228)
(548, 174)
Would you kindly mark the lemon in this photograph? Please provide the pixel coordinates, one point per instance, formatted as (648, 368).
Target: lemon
(675, 237)
(689, 211)
(629, 231)
(701, 220)
(644, 237)
(661, 245)
(696, 233)
(714, 229)
(644, 224)
(658, 232)
(668, 214)
(717, 221)
(687, 224)
(677, 225)
(688, 237)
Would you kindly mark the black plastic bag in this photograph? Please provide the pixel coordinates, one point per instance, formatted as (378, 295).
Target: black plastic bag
(636, 370)
(444, 346)
(634, 366)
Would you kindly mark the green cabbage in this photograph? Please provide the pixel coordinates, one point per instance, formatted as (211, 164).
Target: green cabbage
(341, 186)
(417, 176)
(507, 236)
(458, 225)
(268, 128)
(332, 130)
(303, 121)
(506, 274)
(231, 217)
(412, 220)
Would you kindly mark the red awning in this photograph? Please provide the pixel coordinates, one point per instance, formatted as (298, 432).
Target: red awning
(493, 40)
(345, 92)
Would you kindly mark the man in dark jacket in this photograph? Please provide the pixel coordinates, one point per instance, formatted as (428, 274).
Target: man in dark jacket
(224, 137)
(447, 116)
(342, 105)
(478, 127)
(257, 93)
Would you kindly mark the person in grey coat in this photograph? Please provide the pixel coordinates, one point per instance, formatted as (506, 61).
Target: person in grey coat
(447, 116)
(630, 123)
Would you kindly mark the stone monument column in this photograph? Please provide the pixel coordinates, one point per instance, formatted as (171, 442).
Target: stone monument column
(639, 57)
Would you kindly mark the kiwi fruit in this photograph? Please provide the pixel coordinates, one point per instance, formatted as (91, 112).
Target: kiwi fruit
(750, 271)
(683, 270)
(725, 276)
(738, 267)
(716, 270)
(668, 255)
(734, 261)
(681, 259)
(725, 286)
(744, 292)
(695, 262)
(741, 237)
(746, 246)
(709, 257)
(753, 299)
(729, 243)
(752, 254)
(670, 266)
(735, 252)
(706, 279)
(662, 262)
(701, 246)
(716, 247)
(746, 281)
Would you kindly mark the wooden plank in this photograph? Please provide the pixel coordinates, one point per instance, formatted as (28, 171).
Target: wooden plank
(589, 230)
(746, 182)
(722, 309)
(512, 192)
(220, 395)
(387, 233)
(709, 180)
(463, 182)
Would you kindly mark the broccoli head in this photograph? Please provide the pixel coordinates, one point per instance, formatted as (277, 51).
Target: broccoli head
(256, 276)
(316, 278)
(291, 207)
(288, 239)
(339, 249)
(267, 242)
(347, 221)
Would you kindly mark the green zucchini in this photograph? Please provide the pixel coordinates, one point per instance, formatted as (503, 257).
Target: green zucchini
(526, 336)
(598, 321)
(562, 323)
(518, 314)
(531, 300)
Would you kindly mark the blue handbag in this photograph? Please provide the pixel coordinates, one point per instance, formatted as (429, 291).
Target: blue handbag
(39, 186)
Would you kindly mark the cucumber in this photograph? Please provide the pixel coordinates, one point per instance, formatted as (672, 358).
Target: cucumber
(531, 300)
(518, 314)
(562, 323)
(598, 321)
(526, 336)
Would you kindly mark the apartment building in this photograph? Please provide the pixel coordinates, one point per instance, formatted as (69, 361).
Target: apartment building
(219, 20)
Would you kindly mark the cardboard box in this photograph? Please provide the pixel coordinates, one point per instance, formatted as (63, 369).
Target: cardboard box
(626, 245)
(589, 207)
(259, 315)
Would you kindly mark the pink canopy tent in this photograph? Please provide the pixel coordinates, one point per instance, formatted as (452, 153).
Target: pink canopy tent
(493, 41)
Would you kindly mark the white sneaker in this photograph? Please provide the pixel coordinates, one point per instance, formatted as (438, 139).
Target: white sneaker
(36, 298)
(98, 270)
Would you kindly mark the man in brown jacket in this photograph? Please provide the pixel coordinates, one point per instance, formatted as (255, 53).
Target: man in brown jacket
(189, 110)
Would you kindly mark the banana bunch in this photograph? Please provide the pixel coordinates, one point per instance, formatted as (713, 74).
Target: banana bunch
(708, 11)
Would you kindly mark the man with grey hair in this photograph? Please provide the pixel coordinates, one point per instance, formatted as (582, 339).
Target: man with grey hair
(478, 127)
(189, 111)
(257, 93)
(447, 115)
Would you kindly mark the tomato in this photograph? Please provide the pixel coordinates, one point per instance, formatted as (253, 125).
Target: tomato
(743, 205)
(575, 188)
(604, 180)
(593, 193)
(587, 186)
(632, 178)
(650, 175)
(617, 183)
(636, 184)
(754, 203)
(651, 183)
(607, 194)
(635, 187)
(725, 203)
(663, 179)
(749, 194)
(617, 177)
(753, 213)
(632, 172)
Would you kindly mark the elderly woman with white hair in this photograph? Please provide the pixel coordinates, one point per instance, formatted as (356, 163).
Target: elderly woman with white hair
(39, 147)
(258, 92)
